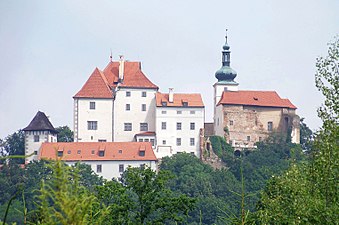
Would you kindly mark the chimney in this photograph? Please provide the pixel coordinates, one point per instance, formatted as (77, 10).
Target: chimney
(121, 68)
(170, 95)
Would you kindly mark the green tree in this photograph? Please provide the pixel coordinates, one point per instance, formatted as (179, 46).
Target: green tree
(306, 136)
(13, 145)
(65, 134)
(308, 193)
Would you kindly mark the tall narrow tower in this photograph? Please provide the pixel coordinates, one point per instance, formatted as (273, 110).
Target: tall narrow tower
(38, 131)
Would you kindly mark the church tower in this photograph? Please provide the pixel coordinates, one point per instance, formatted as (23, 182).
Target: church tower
(225, 75)
(38, 131)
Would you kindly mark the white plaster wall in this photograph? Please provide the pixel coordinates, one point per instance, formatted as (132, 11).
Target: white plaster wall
(31, 146)
(219, 120)
(219, 89)
(135, 115)
(171, 133)
(110, 169)
(102, 113)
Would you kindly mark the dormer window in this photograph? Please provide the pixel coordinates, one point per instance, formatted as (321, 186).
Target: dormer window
(79, 152)
(101, 153)
(184, 103)
(69, 152)
(60, 153)
(141, 153)
(120, 151)
(164, 103)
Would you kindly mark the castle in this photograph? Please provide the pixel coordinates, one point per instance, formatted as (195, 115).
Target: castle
(121, 119)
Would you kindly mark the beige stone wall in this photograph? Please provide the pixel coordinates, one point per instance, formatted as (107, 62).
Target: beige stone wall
(247, 125)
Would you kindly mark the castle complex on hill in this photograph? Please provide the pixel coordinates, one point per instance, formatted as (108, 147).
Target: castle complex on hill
(121, 120)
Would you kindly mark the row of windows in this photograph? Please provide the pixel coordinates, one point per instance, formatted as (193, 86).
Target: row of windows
(128, 127)
(178, 112)
(121, 168)
(178, 142)
(269, 124)
(128, 107)
(36, 138)
(179, 126)
(143, 94)
(101, 153)
(147, 140)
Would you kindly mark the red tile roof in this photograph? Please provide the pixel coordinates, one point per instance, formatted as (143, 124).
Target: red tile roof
(255, 98)
(193, 100)
(129, 151)
(147, 133)
(133, 76)
(95, 87)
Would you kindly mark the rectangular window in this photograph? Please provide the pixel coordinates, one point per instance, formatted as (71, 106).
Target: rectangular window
(192, 126)
(93, 152)
(99, 168)
(35, 152)
(36, 138)
(178, 126)
(60, 153)
(146, 140)
(91, 105)
(164, 103)
(121, 168)
(178, 141)
(248, 138)
(270, 126)
(127, 126)
(143, 107)
(231, 122)
(179, 112)
(143, 94)
(143, 126)
(163, 142)
(128, 94)
(79, 152)
(142, 166)
(128, 107)
(92, 125)
(102, 140)
(260, 138)
(141, 140)
(163, 125)
(163, 112)
(101, 153)
(192, 142)
(120, 151)
(152, 141)
(141, 153)
(185, 104)
(192, 112)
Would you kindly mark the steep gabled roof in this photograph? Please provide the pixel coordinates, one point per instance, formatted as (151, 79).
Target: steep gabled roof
(40, 123)
(193, 100)
(113, 151)
(255, 98)
(95, 87)
(133, 76)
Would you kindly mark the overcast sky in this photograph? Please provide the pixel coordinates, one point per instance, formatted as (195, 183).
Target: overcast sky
(48, 49)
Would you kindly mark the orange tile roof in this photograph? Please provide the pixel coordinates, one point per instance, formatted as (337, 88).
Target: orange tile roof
(95, 87)
(147, 133)
(255, 98)
(133, 76)
(193, 100)
(129, 151)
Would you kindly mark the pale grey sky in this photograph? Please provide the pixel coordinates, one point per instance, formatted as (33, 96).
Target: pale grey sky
(48, 49)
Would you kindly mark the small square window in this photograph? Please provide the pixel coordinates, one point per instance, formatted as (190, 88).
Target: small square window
(192, 141)
(120, 151)
(99, 168)
(141, 153)
(36, 138)
(143, 107)
(192, 126)
(142, 166)
(163, 112)
(91, 105)
(79, 152)
(152, 141)
(143, 126)
(128, 94)
(231, 122)
(128, 107)
(127, 126)
(92, 125)
(35, 152)
(164, 103)
(121, 168)
(69, 152)
(178, 126)
(141, 140)
(146, 140)
(93, 152)
(185, 104)
(163, 125)
(178, 141)
(163, 142)
(248, 138)
(101, 153)
(143, 94)
(179, 112)
(192, 112)
(60, 153)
